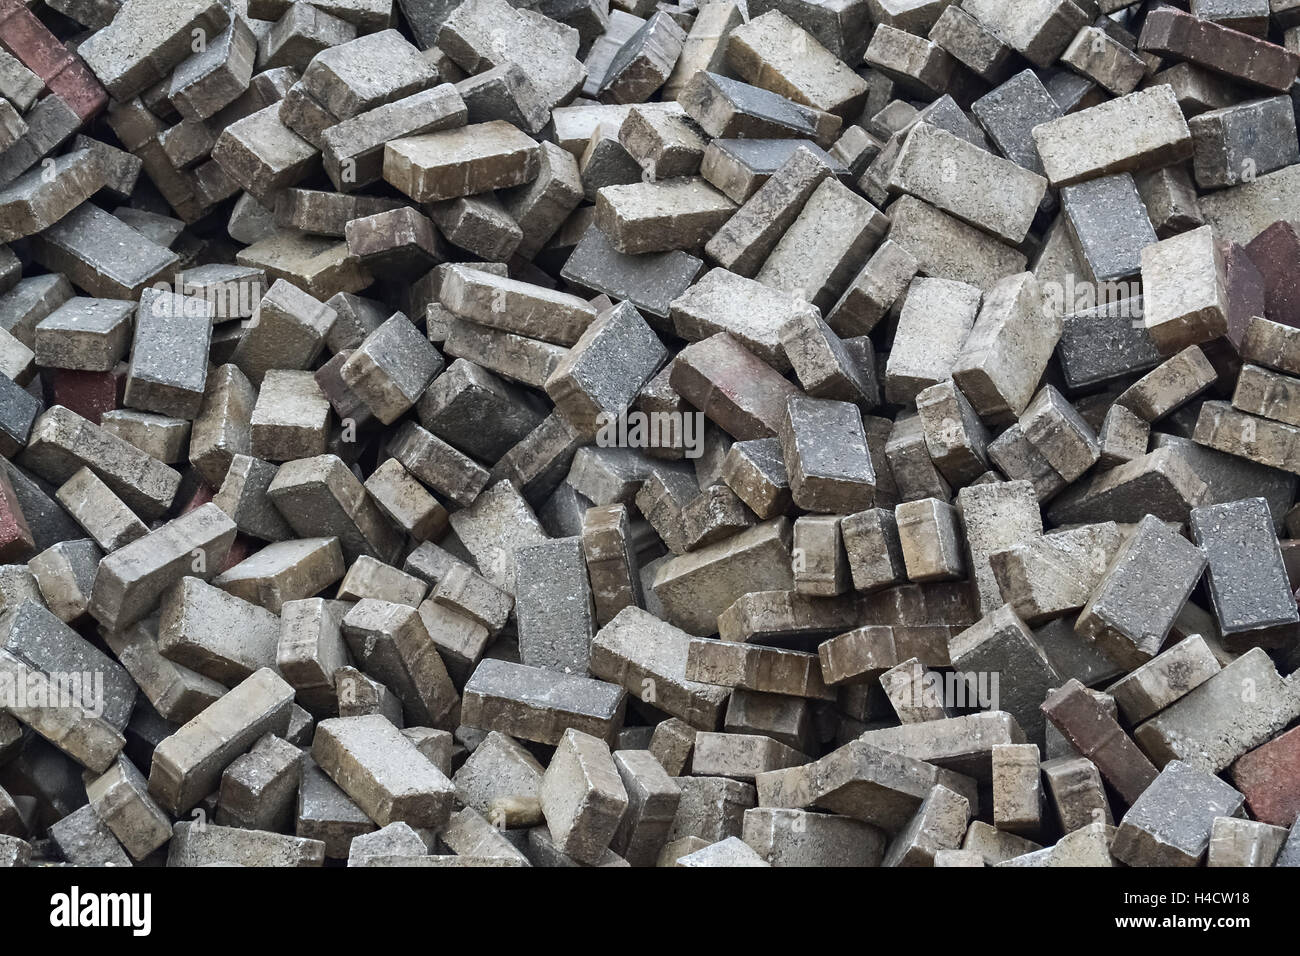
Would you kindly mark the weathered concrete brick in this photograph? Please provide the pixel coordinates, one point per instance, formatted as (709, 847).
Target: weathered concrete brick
(214, 633)
(132, 579)
(995, 516)
(169, 354)
(1222, 718)
(1164, 679)
(461, 162)
(290, 418)
(353, 150)
(1075, 787)
(310, 649)
(846, 228)
(285, 571)
(874, 552)
(1246, 578)
(989, 192)
(1098, 736)
(728, 108)
(1045, 576)
(142, 43)
(538, 704)
(382, 771)
(911, 61)
(635, 647)
(1040, 32)
(935, 321)
(861, 781)
(927, 530)
(187, 766)
(836, 480)
(1008, 348)
(1170, 824)
(1128, 630)
(1000, 643)
(101, 254)
(749, 666)
(732, 386)
(1265, 777)
(1138, 131)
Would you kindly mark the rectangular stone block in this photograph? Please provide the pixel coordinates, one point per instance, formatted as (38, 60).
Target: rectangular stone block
(1076, 790)
(874, 552)
(1129, 629)
(751, 667)
(611, 560)
(1185, 296)
(175, 691)
(310, 649)
(838, 480)
(1098, 736)
(1008, 348)
(582, 796)
(650, 282)
(263, 155)
(1267, 394)
(102, 254)
(169, 355)
(461, 162)
(382, 771)
(861, 781)
(1219, 48)
(934, 323)
(285, 571)
(1245, 576)
(320, 497)
(1170, 824)
(842, 227)
(131, 580)
(732, 386)
(1164, 679)
(994, 194)
(995, 516)
(121, 799)
(728, 108)
(537, 704)
(635, 647)
(90, 740)
(214, 633)
(353, 150)
(1139, 131)
(187, 766)
(1219, 720)
(1001, 643)
(1171, 384)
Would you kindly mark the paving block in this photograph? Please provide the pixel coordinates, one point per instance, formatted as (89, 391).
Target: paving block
(1171, 823)
(382, 771)
(1100, 140)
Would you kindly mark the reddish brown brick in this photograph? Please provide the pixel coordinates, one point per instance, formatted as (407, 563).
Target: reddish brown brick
(1269, 776)
(203, 493)
(1100, 738)
(89, 394)
(1246, 294)
(1241, 56)
(1276, 254)
(16, 544)
(63, 72)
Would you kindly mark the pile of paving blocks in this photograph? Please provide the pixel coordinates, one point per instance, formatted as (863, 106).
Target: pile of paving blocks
(626, 433)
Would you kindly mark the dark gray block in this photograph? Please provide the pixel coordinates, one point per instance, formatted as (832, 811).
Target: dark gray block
(1108, 224)
(650, 282)
(1246, 578)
